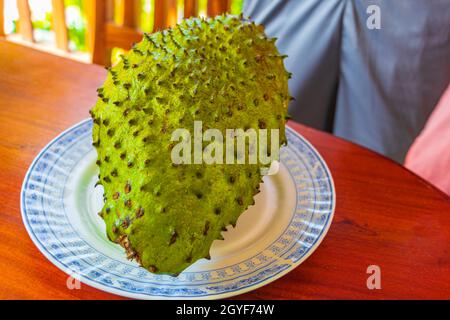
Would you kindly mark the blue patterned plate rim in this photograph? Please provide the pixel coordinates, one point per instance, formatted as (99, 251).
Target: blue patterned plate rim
(274, 272)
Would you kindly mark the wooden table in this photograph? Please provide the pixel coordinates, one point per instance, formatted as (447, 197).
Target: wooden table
(385, 215)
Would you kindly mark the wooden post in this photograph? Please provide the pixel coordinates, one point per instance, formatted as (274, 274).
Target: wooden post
(159, 12)
(59, 25)
(165, 14)
(2, 19)
(126, 11)
(109, 10)
(95, 31)
(217, 7)
(190, 8)
(172, 14)
(137, 13)
(25, 25)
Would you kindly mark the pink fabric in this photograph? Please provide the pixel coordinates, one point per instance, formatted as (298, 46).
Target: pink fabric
(429, 156)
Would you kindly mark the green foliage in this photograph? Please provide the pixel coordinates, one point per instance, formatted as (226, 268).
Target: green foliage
(76, 25)
(237, 6)
(147, 15)
(45, 24)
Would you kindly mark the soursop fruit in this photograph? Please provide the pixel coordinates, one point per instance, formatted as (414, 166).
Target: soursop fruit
(224, 72)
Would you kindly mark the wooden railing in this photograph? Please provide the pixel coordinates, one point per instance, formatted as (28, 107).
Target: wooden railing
(102, 32)
(2, 20)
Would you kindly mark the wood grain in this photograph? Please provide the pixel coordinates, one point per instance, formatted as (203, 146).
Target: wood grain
(385, 215)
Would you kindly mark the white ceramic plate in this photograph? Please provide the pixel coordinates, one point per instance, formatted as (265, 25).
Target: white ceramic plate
(289, 220)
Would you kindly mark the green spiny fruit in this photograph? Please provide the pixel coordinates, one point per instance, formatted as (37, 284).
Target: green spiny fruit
(224, 72)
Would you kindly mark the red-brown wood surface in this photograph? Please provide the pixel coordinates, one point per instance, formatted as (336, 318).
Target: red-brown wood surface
(385, 215)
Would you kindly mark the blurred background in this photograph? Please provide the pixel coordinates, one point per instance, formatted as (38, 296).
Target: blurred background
(71, 27)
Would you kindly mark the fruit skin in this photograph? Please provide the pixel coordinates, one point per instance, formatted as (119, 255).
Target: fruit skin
(224, 72)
